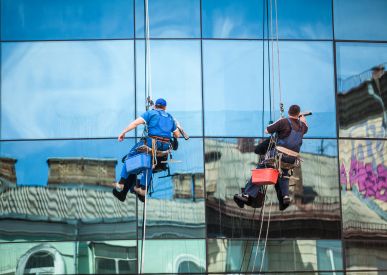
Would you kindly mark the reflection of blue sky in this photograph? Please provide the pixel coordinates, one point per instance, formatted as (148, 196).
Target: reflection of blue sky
(304, 19)
(233, 86)
(355, 58)
(232, 18)
(32, 167)
(176, 77)
(243, 19)
(65, 19)
(66, 89)
(360, 19)
(172, 18)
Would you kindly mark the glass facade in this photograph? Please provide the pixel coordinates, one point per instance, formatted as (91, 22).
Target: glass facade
(72, 76)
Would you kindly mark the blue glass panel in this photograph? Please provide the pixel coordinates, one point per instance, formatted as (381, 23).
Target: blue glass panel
(363, 173)
(278, 256)
(232, 18)
(360, 20)
(62, 190)
(66, 19)
(175, 206)
(304, 19)
(362, 89)
(66, 89)
(172, 256)
(170, 19)
(176, 76)
(307, 79)
(314, 211)
(233, 82)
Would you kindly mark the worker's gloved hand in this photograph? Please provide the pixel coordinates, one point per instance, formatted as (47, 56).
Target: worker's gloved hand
(175, 143)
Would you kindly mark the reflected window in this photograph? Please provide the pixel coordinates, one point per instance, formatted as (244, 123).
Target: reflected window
(313, 190)
(232, 18)
(176, 77)
(40, 262)
(304, 19)
(174, 256)
(362, 89)
(183, 22)
(225, 255)
(74, 89)
(114, 259)
(367, 19)
(68, 19)
(369, 254)
(363, 179)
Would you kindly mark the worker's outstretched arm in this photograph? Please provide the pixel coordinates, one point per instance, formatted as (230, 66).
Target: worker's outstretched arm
(130, 127)
(176, 133)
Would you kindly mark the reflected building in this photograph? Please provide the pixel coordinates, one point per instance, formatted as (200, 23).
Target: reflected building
(313, 188)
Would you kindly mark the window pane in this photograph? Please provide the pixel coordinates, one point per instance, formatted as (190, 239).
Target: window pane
(66, 89)
(304, 19)
(368, 255)
(232, 18)
(315, 204)
(61, 190)
(362, 89)
(66, 19)
(233, 83)
(169, 19)
(68, 258)
(232, 80)
(166, 256)
(175, 208)
(225, 255)
(368, 19)
(363, 182)
(175, 76)
(307, 79)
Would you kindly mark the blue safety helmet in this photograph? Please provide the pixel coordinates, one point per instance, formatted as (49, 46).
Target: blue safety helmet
(161, 102)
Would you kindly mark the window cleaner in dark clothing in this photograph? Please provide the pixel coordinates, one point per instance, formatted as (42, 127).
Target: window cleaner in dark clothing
(289, 132)
(161, 126)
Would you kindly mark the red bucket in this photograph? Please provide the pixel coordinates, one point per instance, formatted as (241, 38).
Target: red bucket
(265, 176)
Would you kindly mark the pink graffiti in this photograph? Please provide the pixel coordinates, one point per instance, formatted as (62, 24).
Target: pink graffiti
(370, 183)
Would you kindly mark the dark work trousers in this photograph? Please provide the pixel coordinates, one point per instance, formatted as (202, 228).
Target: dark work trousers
(281, 188)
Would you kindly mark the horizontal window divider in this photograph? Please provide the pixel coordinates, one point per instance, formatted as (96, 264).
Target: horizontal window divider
(176, 38)
(361, 41)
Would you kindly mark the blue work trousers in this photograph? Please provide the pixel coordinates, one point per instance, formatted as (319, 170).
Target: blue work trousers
(146, 176)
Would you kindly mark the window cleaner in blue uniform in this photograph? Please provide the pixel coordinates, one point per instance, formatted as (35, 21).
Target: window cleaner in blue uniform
(289, 132)
(161, 127)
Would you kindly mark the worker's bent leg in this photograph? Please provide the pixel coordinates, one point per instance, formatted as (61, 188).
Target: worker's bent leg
(251, 189)
(284, 183)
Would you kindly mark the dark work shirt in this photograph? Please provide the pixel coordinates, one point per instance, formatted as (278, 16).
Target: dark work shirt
(282, 127)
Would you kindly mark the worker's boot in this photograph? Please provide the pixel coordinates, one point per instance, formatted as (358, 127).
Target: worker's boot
(241, 199)
(121, 195)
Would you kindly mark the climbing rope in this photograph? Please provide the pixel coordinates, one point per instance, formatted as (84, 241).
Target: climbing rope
(272, 100)
(148, 96)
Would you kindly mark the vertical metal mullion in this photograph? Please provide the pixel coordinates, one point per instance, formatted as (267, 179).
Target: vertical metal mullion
(338, 139)
(203, 136)
(135, 110)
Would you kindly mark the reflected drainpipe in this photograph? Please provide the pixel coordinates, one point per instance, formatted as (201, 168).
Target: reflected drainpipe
(330, 255)
(193, 187)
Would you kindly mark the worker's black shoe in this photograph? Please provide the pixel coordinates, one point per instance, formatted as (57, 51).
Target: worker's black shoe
(286, 200)
(119, 195)
(241, 199)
